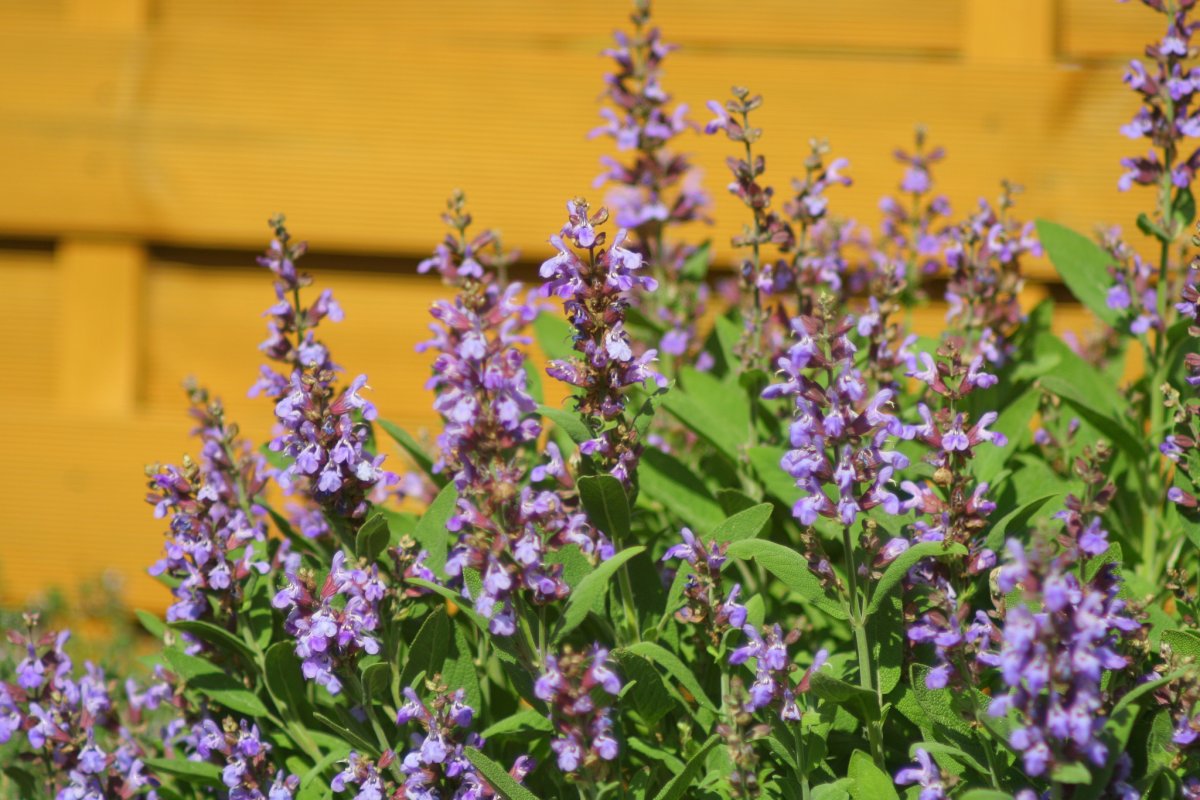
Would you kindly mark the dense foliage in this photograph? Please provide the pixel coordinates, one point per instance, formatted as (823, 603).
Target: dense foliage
(773, 545)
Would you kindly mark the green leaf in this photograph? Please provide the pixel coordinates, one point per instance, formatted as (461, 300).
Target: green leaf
(348, 735)
(746, 524)
(938, 704)
(372, 537)
(644, 686)
(216, 636)
(896, 571)
(525, 720)
(838, 790)
(555, 336)
(985, 794)
(791, 568)
(427, 650)
(458, 669)
(583, 598)
(376, 680)
(606, 504)
(678, 785)
(870, 782)
(778, 483)
(682, 674)
(212, 682)
(695, 266)
(1018, 517)
(197, 771)
(888, 643)
(664, 478)
(414, 450)
(1013, 422)
(1073, 772)
(1183, 207)
(153, 625)
(431, 533)
(1150, 228)
(1083, 266)
(568, 422)
(712, 409)
(25, 782)
(285, 682)
(1184, 644)
(498, 777)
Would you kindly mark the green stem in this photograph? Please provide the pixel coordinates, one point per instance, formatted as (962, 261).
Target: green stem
(801, 765)
(863, 646)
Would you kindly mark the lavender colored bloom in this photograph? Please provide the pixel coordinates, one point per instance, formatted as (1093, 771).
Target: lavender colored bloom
(772, 685)
(839, 433)
(318, 430)
(595, 287)
(1167, 116)
(655, 189)
(704, 601)
(925, 774)
(218, 531)
(329, 635)
(582, 724)
(436, 766)
(1053, 652)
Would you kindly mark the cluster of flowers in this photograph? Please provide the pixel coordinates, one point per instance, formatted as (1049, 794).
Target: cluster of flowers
(840, 432)
(236, 746)
(328, 448)
(703, 601)
(595, 286)
(984, 256)
(1166, 118)
(1181, 447)
(505, 524)
(772, 687)
(333, 623)
(1052, 652)
(657, 188)
(436, 768)
(214, 515)
(571, 685)
(71, 722)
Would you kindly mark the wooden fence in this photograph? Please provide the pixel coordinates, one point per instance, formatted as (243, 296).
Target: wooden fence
(143, 144)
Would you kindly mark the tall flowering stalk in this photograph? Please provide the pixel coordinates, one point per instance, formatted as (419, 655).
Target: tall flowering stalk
(911, 237)
(818, 262)
(1052, 651)
(237, 747)
(595, 283)
(954, 509)
(654, 189)
(217, 531)
(984, 256)
(319, 431)
(758, 275)
(841, 460)
(509, 517)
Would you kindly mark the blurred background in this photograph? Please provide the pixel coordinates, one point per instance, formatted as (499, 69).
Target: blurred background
(144, 144)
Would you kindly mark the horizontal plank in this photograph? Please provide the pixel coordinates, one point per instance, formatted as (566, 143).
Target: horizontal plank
(1100, 29)
(932, 25)
(361, 145)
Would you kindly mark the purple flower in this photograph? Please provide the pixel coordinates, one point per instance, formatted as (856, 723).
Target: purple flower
(1053, 653)
(926, 774)
(578, 688)
(602, 278)
(838, 432)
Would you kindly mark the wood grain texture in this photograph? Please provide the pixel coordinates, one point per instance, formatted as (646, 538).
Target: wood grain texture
(127, 125)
